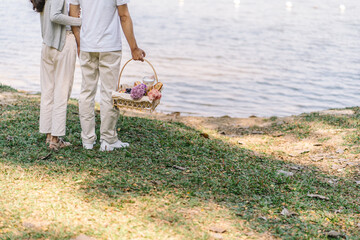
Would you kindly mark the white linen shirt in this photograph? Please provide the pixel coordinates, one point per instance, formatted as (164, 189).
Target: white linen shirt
(101, 28)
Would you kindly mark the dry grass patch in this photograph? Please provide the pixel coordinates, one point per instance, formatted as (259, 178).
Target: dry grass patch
(36, 204)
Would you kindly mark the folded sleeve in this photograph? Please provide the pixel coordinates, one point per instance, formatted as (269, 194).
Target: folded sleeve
(57, 16)
(121, 2)
(74, 2)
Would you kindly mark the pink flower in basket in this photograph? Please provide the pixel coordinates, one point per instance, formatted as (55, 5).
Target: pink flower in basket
(154, 94)
(138, 91)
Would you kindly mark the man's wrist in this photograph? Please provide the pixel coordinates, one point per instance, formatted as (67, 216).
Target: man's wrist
(134, 48)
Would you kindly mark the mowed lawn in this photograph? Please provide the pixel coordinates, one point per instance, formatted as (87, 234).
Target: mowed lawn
(171, 183)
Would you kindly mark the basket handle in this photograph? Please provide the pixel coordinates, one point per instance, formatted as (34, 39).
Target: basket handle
(156, 77)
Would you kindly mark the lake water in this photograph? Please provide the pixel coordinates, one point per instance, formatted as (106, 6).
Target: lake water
(224, 57)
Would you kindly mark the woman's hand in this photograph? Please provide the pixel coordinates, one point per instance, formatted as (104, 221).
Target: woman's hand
(138, 54)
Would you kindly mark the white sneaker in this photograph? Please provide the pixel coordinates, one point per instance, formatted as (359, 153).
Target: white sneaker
(88, 146)
(105, 146)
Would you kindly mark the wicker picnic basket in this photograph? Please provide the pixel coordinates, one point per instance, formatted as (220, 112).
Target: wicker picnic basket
(123, 100)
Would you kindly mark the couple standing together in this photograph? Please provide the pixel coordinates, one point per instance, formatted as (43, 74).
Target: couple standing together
(96, 38)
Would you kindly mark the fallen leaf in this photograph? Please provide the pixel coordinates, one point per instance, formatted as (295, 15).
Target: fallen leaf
(216, 236)
(176, 114)
(204, 135)
(156, 182)
(339, 211)
(257, 132)
(297, 168)
(336, 167)
(340, 151)
(280, 123)
(83, 237)
(318, 196)
(318, 144)
(10, 138)
(351, 164)
(334, 234)
(278, 135)
(28, 225)
(217, 229)
(263, 218)
(179, 168)
(342, 160)
(285, 173)
(285, 212)
(298, 153)
(45, 157)
(35, 224)
(333, 181)
(317, 158)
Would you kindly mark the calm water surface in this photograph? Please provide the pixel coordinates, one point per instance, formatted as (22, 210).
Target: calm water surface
(226, 57)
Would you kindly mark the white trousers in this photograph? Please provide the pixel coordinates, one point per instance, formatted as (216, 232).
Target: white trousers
(57, 77)
(105, 65)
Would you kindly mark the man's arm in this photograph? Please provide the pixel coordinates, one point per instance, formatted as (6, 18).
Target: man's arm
(75, 12)
(127, 26)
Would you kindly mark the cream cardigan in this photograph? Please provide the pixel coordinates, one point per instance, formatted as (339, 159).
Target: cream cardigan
(54, 19)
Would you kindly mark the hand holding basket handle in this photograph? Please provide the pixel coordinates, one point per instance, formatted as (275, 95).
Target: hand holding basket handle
(138, 54)
(147, 61)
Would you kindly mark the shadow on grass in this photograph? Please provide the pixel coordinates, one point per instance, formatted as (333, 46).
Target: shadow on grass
(37, 234)
(173, 158)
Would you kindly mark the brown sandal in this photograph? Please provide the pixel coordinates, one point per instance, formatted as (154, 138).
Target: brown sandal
(48, 139)
(59, 144)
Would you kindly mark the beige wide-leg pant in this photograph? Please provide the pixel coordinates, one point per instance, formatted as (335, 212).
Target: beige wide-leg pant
(57, 77)
(105, 65)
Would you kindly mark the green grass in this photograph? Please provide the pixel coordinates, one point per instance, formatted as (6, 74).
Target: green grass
(297, 128)
(335, 121)
(244, 184)
(5, 88)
